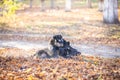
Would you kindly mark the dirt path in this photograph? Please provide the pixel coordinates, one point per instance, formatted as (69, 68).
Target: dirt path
(26, 49)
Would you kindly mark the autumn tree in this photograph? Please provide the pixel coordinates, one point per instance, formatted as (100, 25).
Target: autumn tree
(110, 12)
(8, 7)
(68, 5)
(89, 3)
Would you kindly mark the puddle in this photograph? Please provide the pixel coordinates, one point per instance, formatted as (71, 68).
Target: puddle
(85, 49)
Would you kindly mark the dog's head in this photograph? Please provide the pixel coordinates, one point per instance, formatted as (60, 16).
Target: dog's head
(57, 41)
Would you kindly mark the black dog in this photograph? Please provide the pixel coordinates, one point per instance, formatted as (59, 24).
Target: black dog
(62, 47)
(59, 47)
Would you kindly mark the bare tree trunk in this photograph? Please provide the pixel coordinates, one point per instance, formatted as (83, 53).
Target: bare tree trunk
(31, 3)
(68, 5)
(52, 4)
(42, 5)
(101, 5)
(110, 13)
(89, 3)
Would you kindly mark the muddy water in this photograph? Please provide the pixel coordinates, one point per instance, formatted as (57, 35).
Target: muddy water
(85, 49)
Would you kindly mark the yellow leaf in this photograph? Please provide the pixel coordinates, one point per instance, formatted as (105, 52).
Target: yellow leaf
(42, 74)
(30, 78)
(55, 70)
(28, 70)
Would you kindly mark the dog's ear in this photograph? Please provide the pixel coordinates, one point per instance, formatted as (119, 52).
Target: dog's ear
(52, 42)
(54, 37)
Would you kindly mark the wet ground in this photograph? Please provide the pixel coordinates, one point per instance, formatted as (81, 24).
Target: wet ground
(29, 42)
